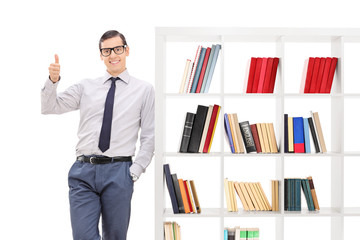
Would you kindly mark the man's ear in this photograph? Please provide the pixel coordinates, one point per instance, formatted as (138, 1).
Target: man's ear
(127, 51)
(101, 57)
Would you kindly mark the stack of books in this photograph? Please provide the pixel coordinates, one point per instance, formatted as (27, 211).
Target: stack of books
(318, 75)
(199, 129)
(259, 137)
(297, 136)
(262, 75)
(238, 233)
(183, 195)
(252, 196)
(198, 74)
(292, 198)
(172, 231)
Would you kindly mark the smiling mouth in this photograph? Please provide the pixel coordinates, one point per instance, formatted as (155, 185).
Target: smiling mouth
(114, 62)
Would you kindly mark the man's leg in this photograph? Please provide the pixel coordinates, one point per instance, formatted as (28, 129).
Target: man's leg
(84, 202)
(116, 201)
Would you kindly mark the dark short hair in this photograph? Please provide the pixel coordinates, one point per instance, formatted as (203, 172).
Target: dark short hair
(110, 34)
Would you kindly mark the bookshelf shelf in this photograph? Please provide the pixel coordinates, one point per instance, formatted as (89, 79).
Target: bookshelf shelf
(292, 46)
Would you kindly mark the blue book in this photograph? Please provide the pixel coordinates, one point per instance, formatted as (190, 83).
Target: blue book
(212, 67)
(171, 188)
(225, 234)
(297, 194)
(307, 136)
(299, 143)
(228, 132)
(311, 201)
(207, 68)
(306, 194)
(198, 70)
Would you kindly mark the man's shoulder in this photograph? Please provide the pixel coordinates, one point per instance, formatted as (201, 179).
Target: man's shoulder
(140, 83)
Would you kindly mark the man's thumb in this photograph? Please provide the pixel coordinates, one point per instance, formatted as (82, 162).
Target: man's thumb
(56, 58)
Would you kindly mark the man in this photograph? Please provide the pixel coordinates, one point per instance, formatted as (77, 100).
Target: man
(112, 109)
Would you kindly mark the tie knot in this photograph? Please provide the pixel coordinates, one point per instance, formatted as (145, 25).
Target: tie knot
(113, 79)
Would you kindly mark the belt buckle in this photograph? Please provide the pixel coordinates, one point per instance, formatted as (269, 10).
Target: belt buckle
(92, 160)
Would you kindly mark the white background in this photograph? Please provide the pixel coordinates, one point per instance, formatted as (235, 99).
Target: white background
(36, 150)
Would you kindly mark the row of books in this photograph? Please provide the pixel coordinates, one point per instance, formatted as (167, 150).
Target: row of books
(199, 129)
(238, 233)
(198, 74)
(183, 195)
(259, 137)
(292, 194)
(252, 196)
(297, 136)
(319, 75)
(262, 75)
(172, 231)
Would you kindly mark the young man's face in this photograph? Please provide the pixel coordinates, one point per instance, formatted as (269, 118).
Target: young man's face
(114, 63)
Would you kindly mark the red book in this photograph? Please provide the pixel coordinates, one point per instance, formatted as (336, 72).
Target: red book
(273, 75)
(269, 67)
(188, 196)
(256, 137)
(320, 76)
(262, 75)
(331, 75)
(257, 75)
(325, 75)
(211, 128)
(251, 75)
(203, 69)
(309, 75)
(315, 75)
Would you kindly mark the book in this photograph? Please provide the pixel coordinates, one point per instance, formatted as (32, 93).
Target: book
(256, 137)
(313, 134)
(299, 142)
(262, 75)
(185, 74)
(320, 75)
(188, 196)
(306, 135)
(286, 134)
(273, 75)
(269, 69)
(189, 121)
(265, 137)
(191, 196)
(309, 74)
(241, 196)
(184, 196)
(171, 188)
(247, 196)
(228, 132)
(178, 193)
(290, 135)
(198, 126)
(319, 131)
(211, 56)
(331, 74)
(251, 77)
(273, 138)
(212, 127)
(233, 133)
(325, 76)
(238, 133)
(315, 75)
(247, 136)
(203, 69)
(227, 195)
(313, 193)
(261, 137)
(212, 67)
(194, 66)
(257, 75)
(198, 70)
(196, 199)
(206, 128)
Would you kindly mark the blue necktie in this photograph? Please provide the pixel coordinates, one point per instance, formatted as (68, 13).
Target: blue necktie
(104, 141)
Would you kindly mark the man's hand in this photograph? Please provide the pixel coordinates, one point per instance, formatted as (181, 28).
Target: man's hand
(54, 70)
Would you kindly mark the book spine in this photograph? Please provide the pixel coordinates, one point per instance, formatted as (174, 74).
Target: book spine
(250, 80)
(306, 135)
(247, 136)
(189, 121)
(299, 143)
(212, 127)
(286, 193)
(171, 189)
(212, 69)
(198, 126)
(198, 70)
(208, 66)
(228, 132)
(185, 74)
(273, 75)
(193, 70)
(311, 201)
(178, 193)
(297, 195)
(196, 199)
(313, 134)
(203, 69)
(256, 137)
(286, 136)
(313, 193)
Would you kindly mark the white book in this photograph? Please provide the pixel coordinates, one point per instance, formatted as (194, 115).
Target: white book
(183, 81)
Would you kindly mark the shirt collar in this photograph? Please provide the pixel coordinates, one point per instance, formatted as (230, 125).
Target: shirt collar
(124, 76)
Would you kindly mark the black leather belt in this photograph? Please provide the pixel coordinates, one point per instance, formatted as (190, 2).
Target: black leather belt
(102, 159)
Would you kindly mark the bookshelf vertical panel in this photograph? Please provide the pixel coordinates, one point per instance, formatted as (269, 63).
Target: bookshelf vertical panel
(337, 228)
(279, 225)
(160, 136)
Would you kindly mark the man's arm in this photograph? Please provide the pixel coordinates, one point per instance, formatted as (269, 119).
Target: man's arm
(147, 135)
(53, 103)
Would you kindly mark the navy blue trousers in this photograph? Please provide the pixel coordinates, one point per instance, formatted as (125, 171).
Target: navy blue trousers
(101, 189)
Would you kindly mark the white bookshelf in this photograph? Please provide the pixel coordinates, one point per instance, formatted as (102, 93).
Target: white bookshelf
(284, 43)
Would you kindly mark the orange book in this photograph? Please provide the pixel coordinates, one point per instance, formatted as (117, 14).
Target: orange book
(183, 196)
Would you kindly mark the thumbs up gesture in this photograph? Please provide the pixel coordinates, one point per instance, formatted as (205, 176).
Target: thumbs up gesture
(54, 70)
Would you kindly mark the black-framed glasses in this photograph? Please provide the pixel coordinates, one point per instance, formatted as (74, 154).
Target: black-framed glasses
(117, 50)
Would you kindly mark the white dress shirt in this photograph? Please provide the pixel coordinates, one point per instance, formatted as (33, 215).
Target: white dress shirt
(134, 108)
